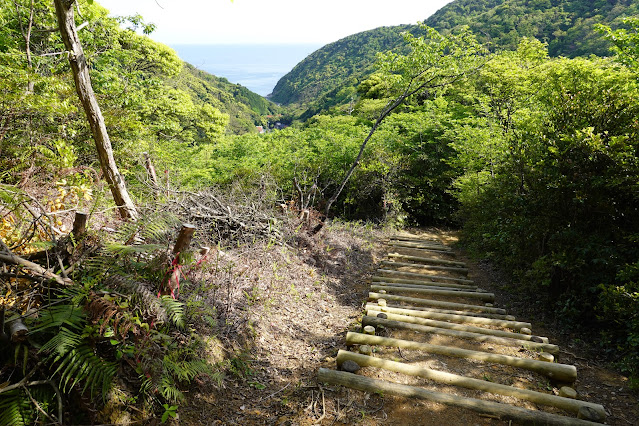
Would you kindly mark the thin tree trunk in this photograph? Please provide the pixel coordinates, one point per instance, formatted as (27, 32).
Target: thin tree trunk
(66, 23)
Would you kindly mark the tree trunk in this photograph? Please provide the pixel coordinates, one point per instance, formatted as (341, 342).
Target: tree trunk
(66, 23)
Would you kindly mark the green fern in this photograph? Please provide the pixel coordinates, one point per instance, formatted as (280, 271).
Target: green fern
(14, 408)
(58, 315)
(174, 310)
(82, 364)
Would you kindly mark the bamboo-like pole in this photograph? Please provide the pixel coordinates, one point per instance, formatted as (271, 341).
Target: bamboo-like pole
(461, 319)
(460, 327)
(463, 271)
(422, 282)
(392, 272)
(422, 251)
(486, 297)
(367, 384)
(560, 372)
(450, 311)
(428, 260)
(408, 244)
(435, 303)
(568, 404)
(371, 319)
(435, 286)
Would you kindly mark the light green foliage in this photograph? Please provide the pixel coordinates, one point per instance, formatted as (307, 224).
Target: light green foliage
(625, 41)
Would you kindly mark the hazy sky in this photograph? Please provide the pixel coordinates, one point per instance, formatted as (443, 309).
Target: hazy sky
(269, 22)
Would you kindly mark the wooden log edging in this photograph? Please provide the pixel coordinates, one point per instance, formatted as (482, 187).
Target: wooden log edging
(421, 246)
(418, 275)
(367, 384)
(421, 250)
(436, 286)
(568, 404)
(428, 260)
(560, 372)
(448, 311)
(372, 319)
(463, 271)
(486, 297)
(377, 278)
(463, 327)
(436, 303)
(514, 325)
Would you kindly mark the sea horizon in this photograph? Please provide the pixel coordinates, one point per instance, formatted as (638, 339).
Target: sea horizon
(257, 67)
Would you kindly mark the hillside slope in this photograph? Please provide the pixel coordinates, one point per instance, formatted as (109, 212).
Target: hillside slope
(328, 76)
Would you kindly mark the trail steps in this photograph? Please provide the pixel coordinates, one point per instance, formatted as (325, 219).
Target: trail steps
(419, 294)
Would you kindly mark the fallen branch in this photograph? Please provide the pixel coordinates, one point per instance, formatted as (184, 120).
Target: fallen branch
(9, 257)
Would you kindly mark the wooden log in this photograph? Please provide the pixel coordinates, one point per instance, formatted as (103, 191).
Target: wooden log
(415, 238)
(435, 303)
(422, 246)
(449, 311)
(422, 251)
(450, 293)
(460, 319)
(442, 286)
(427, 260)
(367, 384)
(79, 224)
(9, 257)
(461, 327)
(372, 319)
(377, 278)
(392, 272)
(560, 372)
(568, 404)
(463, 271)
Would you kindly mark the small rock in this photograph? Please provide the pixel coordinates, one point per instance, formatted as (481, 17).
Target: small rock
(568, 392)
(350, 366)
(488, 305)
(536, 339)
(369, 329)
(381, 302)
(382, 316)
(526, 331)
(588, 413)
(382, 292)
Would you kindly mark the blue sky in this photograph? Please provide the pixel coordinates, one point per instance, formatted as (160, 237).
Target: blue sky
(269, 22)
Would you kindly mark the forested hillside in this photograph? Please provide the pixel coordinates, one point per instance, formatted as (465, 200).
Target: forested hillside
(329, 76)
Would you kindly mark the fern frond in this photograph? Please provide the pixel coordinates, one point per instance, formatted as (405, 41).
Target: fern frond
(169, 390)
(82, 364)
(141, 293)
(174, 310)
(56, 316)
(62, 342)
(13, 407)
(186, 370)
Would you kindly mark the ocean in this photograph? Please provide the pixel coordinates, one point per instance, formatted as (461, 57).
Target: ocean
(257, 67)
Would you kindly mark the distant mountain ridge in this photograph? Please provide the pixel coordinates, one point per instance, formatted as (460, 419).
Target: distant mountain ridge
(328, 77)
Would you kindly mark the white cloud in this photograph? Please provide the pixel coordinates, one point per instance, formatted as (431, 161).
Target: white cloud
(269, 22)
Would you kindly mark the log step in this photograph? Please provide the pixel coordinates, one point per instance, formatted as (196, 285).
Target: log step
(393, 272)
(487, 297)
(568, 404)
(560, 372)
(429, 260)
(377, 278)
(461, 319)
(436, 303)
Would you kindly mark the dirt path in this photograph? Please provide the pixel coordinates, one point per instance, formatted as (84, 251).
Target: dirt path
(291, 311)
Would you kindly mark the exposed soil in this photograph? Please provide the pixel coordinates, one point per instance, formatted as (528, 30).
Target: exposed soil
(287, 309)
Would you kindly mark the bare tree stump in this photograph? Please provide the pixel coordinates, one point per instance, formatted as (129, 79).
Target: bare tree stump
(79, 224)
